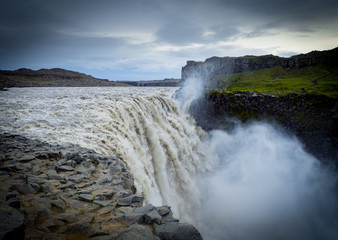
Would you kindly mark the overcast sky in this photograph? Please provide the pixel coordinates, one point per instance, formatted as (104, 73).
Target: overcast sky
(153, 39)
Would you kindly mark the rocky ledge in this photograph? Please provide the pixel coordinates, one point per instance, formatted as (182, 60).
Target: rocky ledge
(313, 118)
(51, 191)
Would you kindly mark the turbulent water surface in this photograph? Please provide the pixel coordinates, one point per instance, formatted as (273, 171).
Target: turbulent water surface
(252, 183)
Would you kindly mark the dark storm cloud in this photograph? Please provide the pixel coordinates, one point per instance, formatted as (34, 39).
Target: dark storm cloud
(60, 31)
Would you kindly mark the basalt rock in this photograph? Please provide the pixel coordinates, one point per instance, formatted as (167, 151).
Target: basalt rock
(177, 231)
(12, 223)
(53, 191)
(312, 118)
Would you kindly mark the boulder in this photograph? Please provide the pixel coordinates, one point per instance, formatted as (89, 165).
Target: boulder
(84, 229)
(127, 201)
(135, 231)
(152, 217)
(12, 223)
(177, 231)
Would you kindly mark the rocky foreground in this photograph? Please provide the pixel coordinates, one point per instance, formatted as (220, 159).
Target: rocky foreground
(51, 191)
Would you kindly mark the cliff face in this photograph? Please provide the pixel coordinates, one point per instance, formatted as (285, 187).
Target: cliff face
(212, 68)
(312, 118)
(310, 112)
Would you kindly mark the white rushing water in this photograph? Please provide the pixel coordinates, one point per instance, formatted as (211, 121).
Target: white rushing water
(252, 183)
(142, 126)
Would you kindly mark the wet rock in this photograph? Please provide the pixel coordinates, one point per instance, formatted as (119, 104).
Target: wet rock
(145, 209)
(106, 210)
(127, 201)
(164, 210)
(33, 233)
(76, 178)
(26, 158)
(68, 186)
(59, 204)
(105, 193)
(36, 171)
(53, 155)
(178, 231)
(74, 193)
(55, 236)
(12, 223)
(47, 226)
(23, 188)
(127, 214)
(53, 175)
(65, 217)
(14, 202)
(65, 168)
(86, 197)
(85, 229)
(85, 171)
(105, 179)
(152, 217)
(102, 203)
(135, 231)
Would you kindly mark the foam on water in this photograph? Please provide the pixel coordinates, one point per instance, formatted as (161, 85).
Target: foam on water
(252, 183)
(140, 125)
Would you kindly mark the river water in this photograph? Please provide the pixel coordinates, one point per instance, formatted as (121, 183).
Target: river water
(253, 183)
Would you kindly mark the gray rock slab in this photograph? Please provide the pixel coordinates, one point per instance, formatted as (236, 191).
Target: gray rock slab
(84, 228)
(152, 217)
(104, 193)
(53, 175)
(68, 186)
(86, 197)
(59, 204)
(26, 158)
(12, 223)
(24, 188)
(76, 178)
(177, 231)
(127, 201)
(85, 170)
(164, 210)
(65, 168)
(135, 231)
(65, 217)
(145, 209)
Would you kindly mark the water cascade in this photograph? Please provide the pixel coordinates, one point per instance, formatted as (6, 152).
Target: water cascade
(253, 183)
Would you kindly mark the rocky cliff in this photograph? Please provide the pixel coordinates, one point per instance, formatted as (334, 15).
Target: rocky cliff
(312, 118)
(53, 191)
(55, 77)
(297, 93)
(213, 68)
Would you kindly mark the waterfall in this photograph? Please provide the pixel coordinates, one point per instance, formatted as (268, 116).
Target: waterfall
(255, 182)
(161, 146)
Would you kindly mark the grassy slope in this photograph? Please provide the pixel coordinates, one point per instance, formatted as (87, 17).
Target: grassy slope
(315, 79)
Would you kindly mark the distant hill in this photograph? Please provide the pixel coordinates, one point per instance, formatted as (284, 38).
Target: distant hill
(55, 77)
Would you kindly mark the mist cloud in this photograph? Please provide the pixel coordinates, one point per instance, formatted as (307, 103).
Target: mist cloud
(266, 187)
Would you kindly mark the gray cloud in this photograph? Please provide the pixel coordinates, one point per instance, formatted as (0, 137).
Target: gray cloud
(105, 34)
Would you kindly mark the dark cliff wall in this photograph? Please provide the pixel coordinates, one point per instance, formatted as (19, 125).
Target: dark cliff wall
(212, 68)
(312, 118)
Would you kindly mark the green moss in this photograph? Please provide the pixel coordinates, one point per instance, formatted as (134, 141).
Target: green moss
(279, 81)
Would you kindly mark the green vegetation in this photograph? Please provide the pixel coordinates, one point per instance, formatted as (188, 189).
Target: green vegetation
(318, 79)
